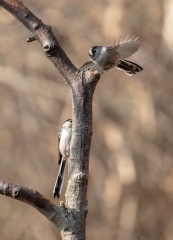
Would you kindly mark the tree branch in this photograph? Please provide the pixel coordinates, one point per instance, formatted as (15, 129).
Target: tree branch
(82, 82)
(44, 34)
(27, 195)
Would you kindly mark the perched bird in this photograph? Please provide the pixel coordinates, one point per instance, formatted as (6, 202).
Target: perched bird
(64, 139)
(106, 58)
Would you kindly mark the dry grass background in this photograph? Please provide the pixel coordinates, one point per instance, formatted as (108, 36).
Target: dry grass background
(131, 165)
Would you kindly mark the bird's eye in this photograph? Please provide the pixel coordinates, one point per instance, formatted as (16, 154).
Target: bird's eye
(92, 52)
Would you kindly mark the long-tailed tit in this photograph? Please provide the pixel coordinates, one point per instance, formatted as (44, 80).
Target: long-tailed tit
(64, 137)
(105, 58)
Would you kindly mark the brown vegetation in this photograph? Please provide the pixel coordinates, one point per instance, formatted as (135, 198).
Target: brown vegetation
(131, 163)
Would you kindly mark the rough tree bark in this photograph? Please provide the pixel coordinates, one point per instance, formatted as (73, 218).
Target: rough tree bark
(69, 218)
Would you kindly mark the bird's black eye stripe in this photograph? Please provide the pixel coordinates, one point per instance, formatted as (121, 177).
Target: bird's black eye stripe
(92, 51)
(68, 120)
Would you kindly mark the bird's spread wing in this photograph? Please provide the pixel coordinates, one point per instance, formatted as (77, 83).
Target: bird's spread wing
(127, 47)
(93, 66)
(59, 154)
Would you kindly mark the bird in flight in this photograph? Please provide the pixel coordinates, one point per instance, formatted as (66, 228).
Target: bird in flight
(106, 58)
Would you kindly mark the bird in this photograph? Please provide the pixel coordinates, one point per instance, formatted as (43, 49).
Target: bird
(64, 139)
(105, 58)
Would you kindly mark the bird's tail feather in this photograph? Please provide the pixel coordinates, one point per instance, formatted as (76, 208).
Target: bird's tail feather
(129, 67)
(59, 180)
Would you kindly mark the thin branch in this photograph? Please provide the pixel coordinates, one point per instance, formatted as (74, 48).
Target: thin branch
(44, 34)
(27, 195)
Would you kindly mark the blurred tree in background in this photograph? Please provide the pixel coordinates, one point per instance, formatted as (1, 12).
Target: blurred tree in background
(131, 165)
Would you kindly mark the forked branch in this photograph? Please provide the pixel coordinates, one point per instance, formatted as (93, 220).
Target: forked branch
(69, 219)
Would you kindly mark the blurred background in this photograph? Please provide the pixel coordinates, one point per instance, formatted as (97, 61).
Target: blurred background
(130, 190)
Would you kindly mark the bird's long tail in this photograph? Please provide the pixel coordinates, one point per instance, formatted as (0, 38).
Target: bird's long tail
(129, 67)
(59, 180)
